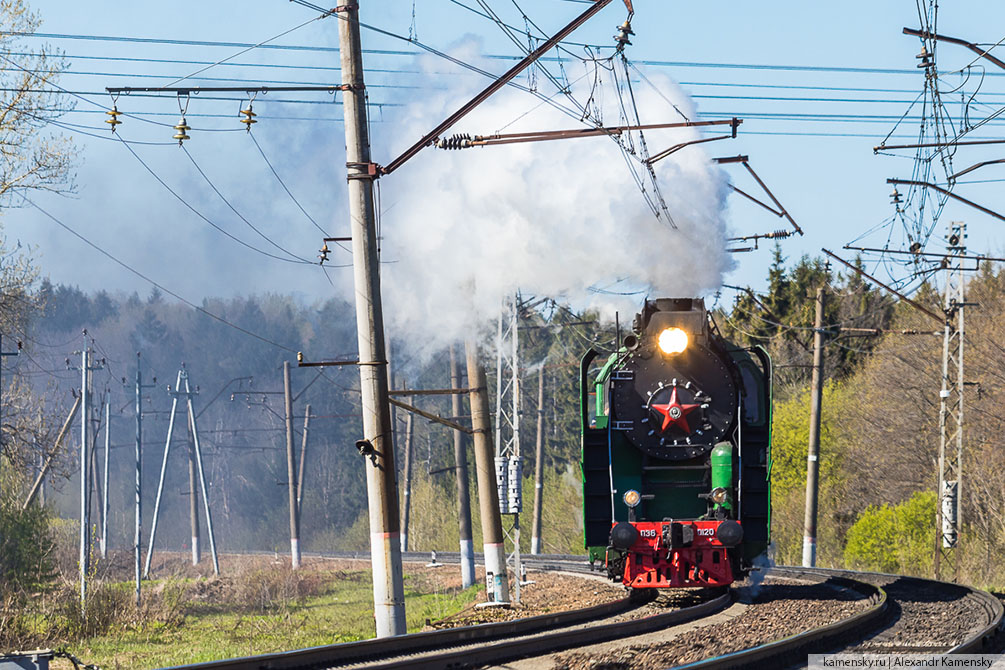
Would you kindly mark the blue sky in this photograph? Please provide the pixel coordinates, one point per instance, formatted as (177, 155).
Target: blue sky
(752, 60)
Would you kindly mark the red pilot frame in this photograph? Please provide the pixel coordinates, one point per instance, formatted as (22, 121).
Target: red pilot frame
(670, 554)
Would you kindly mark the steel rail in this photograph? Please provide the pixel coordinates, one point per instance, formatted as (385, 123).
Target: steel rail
(492, 645)
(369, 650)
(772, 653)
(506, 651)
(982, 641)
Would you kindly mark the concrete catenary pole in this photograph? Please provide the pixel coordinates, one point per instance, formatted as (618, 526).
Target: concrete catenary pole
(193, 500)
(160, 482)
(138, 517)
(497, 585)
(202, 478)
(463, 495)
(303, 459)
(406, 511)
(85, 520)
(381, 485)
(104, 478)
(291, 470)
(813, 453)
(535, 537)
(95, 493)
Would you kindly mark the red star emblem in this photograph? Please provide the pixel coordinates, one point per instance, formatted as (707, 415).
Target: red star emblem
(674, 413)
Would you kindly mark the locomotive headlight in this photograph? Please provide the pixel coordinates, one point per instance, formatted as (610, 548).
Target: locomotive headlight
(632, 497)
(672, 341)
(718, 495)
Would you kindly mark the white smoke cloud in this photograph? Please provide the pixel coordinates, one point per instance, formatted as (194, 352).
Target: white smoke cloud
(463, 229)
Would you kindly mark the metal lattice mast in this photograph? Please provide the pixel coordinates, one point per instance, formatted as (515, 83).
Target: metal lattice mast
(509, 471)
(949, 508)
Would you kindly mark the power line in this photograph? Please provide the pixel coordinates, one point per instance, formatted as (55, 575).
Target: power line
(204, 217)
(288, 192)
(245, 50)
(391, 52)
(159, 286)
(239, 215)
(699, 96)
(401, 71)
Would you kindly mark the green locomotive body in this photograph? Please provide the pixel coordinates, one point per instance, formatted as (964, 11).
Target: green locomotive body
(676, 452)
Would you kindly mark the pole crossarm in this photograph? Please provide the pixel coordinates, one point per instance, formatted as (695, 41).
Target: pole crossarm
(430, 416)
(916, 305)
(948, 193)
(975, 166)
(196, 90)
(745, 161)
(408, 392)
(681, 145)
(934, 145)
(983, 53)
(737, 189)
(575, 133)
(966, 257)
(508, 76)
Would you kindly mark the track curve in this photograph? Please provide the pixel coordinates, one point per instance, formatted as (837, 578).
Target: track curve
(473, 646)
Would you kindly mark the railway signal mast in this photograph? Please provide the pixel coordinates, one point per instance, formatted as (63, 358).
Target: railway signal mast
(509, 471)
(949, 508)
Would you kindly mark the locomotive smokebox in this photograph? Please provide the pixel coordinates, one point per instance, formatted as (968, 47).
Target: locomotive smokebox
(675, 394)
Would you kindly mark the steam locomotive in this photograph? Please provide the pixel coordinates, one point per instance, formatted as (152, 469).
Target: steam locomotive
(676, 452)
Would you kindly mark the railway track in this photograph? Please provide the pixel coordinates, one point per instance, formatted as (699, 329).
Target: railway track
(900, 616)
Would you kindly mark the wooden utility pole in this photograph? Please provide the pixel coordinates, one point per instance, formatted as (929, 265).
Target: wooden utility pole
(461, 470)
(291, 470)
(497, 585)
(813, 453)
(377, 445)
(535, 537)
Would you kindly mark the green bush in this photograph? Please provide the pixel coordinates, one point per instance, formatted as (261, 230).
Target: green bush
(26, 569)
(25, 549)
(108, 605)
(895, 539)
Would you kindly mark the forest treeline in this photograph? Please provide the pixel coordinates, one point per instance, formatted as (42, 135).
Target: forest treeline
(240, 410)
(879, 440)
